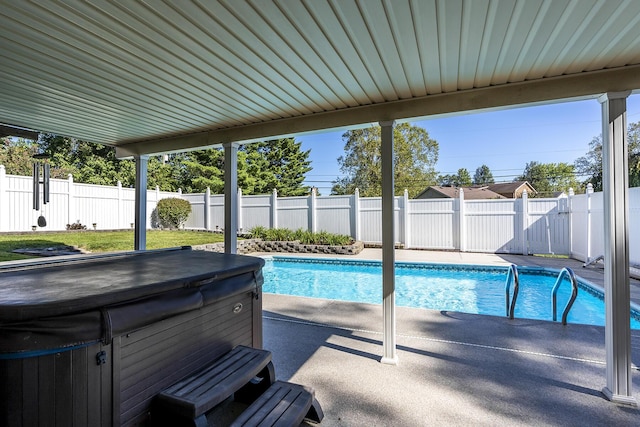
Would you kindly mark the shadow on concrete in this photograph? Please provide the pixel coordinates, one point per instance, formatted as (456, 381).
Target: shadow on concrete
(454, 368)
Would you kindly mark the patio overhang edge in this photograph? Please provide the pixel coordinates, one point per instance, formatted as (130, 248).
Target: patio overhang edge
(545, 90)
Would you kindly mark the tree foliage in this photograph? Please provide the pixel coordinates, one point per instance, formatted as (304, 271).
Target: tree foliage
(262, 167)
(483, 176)
(279, 164)
(460, 179)
(590, 165)
(415, 156)
(548, 178)
(17, 156)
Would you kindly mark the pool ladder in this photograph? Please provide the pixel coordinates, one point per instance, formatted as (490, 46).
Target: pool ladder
(512, 277)
(574, 293)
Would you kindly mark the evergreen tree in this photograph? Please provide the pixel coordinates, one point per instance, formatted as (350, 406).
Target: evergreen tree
(463, 178)
(278, 164)
(262, 167)
(483, 176)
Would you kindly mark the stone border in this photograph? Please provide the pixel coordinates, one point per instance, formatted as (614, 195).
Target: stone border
(248, 246)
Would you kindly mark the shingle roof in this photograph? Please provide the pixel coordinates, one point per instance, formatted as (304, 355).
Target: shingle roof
(470, 193)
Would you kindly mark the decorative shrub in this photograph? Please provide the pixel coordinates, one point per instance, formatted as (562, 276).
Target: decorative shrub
(258, 232)
(303, 236)
(173, 212)
(76, 226)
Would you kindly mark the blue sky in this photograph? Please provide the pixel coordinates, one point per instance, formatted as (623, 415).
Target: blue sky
(503, 140)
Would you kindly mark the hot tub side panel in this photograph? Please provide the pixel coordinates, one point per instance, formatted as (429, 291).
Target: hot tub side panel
(152, 358)
(66, 388)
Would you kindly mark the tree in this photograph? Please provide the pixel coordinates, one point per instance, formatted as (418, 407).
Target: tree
(447, 180)
(483, 176)
(415, 155)
(633, 139)
(88, 163)
(548, 178)
(17, 156)
(279, 164)
(591, 164)
(460, 179)
(262, 167)
(464, 178)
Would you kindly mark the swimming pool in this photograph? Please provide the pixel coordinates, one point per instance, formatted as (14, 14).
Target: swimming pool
(464, 288)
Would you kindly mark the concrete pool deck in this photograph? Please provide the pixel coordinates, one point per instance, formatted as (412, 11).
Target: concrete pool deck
(454, 368)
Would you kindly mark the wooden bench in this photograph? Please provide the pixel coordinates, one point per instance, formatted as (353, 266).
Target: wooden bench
(283, 405)
(193, 396)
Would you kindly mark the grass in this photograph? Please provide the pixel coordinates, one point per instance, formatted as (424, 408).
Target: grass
(102, 241)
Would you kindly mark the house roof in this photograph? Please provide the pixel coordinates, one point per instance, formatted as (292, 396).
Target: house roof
(157, 77)
(511, 187)
(470, 193)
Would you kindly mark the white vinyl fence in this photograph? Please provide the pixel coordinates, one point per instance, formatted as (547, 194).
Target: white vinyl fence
(480, 226)
(567, 226)
(106, 207)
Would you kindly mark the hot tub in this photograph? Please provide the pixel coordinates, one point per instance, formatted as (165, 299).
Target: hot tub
(89, 341)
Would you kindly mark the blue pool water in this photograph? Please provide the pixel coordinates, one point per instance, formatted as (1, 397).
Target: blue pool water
(468, 289)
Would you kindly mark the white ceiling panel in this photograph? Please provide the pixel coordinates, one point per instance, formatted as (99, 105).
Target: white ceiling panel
(165, 75)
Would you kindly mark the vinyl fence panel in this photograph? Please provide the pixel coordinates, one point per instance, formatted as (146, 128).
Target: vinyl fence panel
(333, 214)
(256, 211)
(433, 223)
(548, 228)
(634, 226)
(293, 213)
(597, 226)
(579, 224)
(197, 217)
(19, 207)
(494, 225)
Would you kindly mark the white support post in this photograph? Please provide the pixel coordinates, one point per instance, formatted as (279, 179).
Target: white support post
(207, 211)
(570, 222)
(462, 222)
(274, 209)
(405, 219)
(120, 207)
(525, 223)
(388, 246)
(4, 203)
(230, 197)
(140, 233)
(616, 256)
(71, 205)
(588, 222)
(312, 211)
(240, 209)
(356, 215)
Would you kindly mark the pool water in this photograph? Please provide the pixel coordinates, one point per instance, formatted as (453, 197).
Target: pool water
(463, 288)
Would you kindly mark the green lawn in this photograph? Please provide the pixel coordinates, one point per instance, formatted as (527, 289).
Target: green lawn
(101, 241)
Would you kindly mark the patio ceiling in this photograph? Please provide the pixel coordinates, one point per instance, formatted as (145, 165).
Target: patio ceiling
(167, 76)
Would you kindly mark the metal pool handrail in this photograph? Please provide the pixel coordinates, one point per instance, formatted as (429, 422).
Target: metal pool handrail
(574, 293)
(512, 276)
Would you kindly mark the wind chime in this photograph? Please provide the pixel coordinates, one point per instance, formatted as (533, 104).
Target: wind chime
(41, 174)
